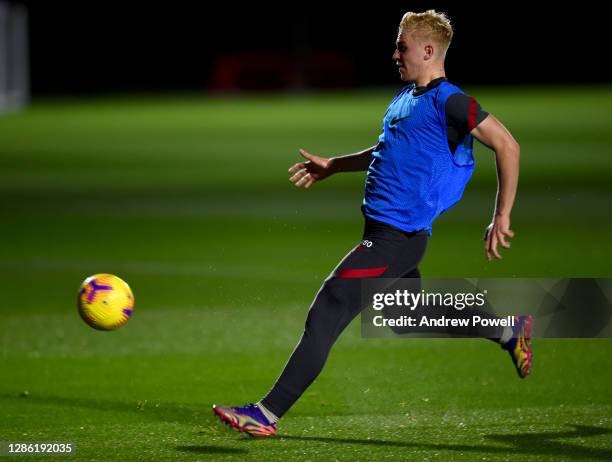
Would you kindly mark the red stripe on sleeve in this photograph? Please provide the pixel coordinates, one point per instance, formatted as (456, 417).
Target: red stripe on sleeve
(472, 116)
(362, 272)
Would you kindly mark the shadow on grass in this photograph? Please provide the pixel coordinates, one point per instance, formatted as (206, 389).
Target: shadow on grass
(165, 412)
(168, 412)
(211, 450)
(544, 444)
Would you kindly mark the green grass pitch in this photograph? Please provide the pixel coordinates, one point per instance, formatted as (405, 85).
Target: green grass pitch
(187, 199)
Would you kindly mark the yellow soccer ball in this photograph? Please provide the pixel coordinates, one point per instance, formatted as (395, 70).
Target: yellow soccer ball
(105, 301)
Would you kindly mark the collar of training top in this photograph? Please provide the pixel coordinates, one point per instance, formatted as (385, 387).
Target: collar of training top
(433, 84)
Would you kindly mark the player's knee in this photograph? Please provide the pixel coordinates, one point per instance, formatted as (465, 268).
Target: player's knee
(339, 293)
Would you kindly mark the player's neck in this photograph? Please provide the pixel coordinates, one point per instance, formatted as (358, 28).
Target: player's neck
(428, 76)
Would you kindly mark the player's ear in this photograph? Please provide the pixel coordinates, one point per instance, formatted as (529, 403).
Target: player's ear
(428, 52)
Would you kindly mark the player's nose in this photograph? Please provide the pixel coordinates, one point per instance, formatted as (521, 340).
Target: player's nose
(396, 55)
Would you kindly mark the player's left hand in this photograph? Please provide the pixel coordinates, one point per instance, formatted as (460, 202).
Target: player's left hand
(496, 233)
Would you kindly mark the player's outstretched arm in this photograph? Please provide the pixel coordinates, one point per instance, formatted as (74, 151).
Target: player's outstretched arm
(317, 168)
(507, 154)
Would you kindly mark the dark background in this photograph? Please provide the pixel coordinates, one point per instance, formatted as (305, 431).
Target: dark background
(92, 47)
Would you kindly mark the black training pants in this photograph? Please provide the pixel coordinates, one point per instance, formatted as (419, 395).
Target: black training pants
(384, 252)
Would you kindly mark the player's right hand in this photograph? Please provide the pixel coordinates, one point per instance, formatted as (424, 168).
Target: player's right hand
(497, 233)
(314, 169)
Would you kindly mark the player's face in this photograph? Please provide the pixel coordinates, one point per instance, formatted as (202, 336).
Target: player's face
(408, 57)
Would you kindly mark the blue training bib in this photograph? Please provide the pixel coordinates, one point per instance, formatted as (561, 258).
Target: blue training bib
(413, 176)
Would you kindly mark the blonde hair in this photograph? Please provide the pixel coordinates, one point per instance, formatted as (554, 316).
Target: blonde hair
(428, 25)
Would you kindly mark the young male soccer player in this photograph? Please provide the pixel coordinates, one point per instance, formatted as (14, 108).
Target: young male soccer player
(418, 169)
